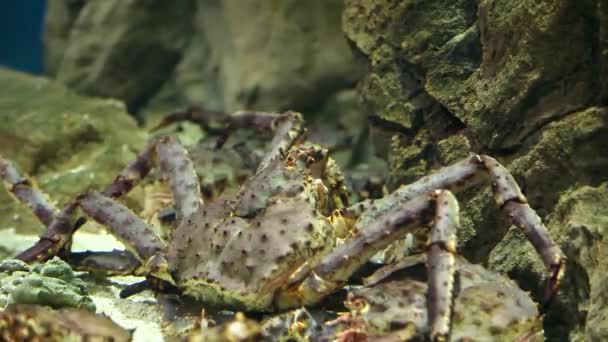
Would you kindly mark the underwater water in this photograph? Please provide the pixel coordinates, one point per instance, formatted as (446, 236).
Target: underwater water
(21, 41)
(321, 170)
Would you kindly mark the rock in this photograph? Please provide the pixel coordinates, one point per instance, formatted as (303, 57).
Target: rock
(124, 49)
(66, 142)
(478, 65)
(52, 283)
(59, 19)
(393, 90)
(521, 83)
(285, 55)
(449, 78)
(398, 54)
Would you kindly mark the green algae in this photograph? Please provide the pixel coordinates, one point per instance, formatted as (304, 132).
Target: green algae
(53, 284)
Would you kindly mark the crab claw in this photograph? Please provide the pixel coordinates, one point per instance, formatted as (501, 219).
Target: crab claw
(158, 267)
(157, 279)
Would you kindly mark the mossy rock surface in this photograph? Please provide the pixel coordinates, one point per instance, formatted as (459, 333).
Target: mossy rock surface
(66, 142)
(522, 82)
(490, 66)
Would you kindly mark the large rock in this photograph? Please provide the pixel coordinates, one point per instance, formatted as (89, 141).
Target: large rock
(67, 142)
(286, 54)
(493, 65)
(265, 55)
(522, 81)
(124, 49)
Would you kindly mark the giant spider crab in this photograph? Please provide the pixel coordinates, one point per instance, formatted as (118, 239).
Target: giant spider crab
(273, 245)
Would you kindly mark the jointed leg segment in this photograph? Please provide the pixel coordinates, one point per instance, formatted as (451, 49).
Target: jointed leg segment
(441, 265)
(172, 158)
(123, 223)
(25, 193)
(413, 206)
(508, 197)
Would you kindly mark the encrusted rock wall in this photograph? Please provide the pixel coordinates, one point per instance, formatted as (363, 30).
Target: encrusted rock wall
(523, 81)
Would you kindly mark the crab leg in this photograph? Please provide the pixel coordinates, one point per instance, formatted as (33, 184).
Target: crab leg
(123, 223)
(23, 190)
(173, 162)
(440, 265)
(257, 120)
(516, 210)
(58, 223)
(260, 121)
(456, 177)
(133, 173)
(512, 203)
(116, 262)
(314, 282)
(287, 127)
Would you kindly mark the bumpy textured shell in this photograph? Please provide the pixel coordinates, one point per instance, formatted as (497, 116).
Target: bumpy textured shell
(488, 306)
(240, 257)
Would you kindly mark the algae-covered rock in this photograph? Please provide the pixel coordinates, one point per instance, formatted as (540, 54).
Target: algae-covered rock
(400, 39)
(521, 83)
(489, 65)
(66, 142)
(449, 78)
(52, 283)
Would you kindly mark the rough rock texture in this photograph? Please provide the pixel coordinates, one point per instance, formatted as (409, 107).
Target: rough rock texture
(65, 141)
(52, 283)
(123, 49)
(520, 81)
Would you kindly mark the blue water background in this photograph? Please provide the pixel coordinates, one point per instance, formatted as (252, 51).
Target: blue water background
(21, 29)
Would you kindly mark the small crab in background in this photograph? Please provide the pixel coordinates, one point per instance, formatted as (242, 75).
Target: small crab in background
(392, 306)
(287, 238)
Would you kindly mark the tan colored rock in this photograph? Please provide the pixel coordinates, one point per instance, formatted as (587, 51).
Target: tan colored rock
(125, 49)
